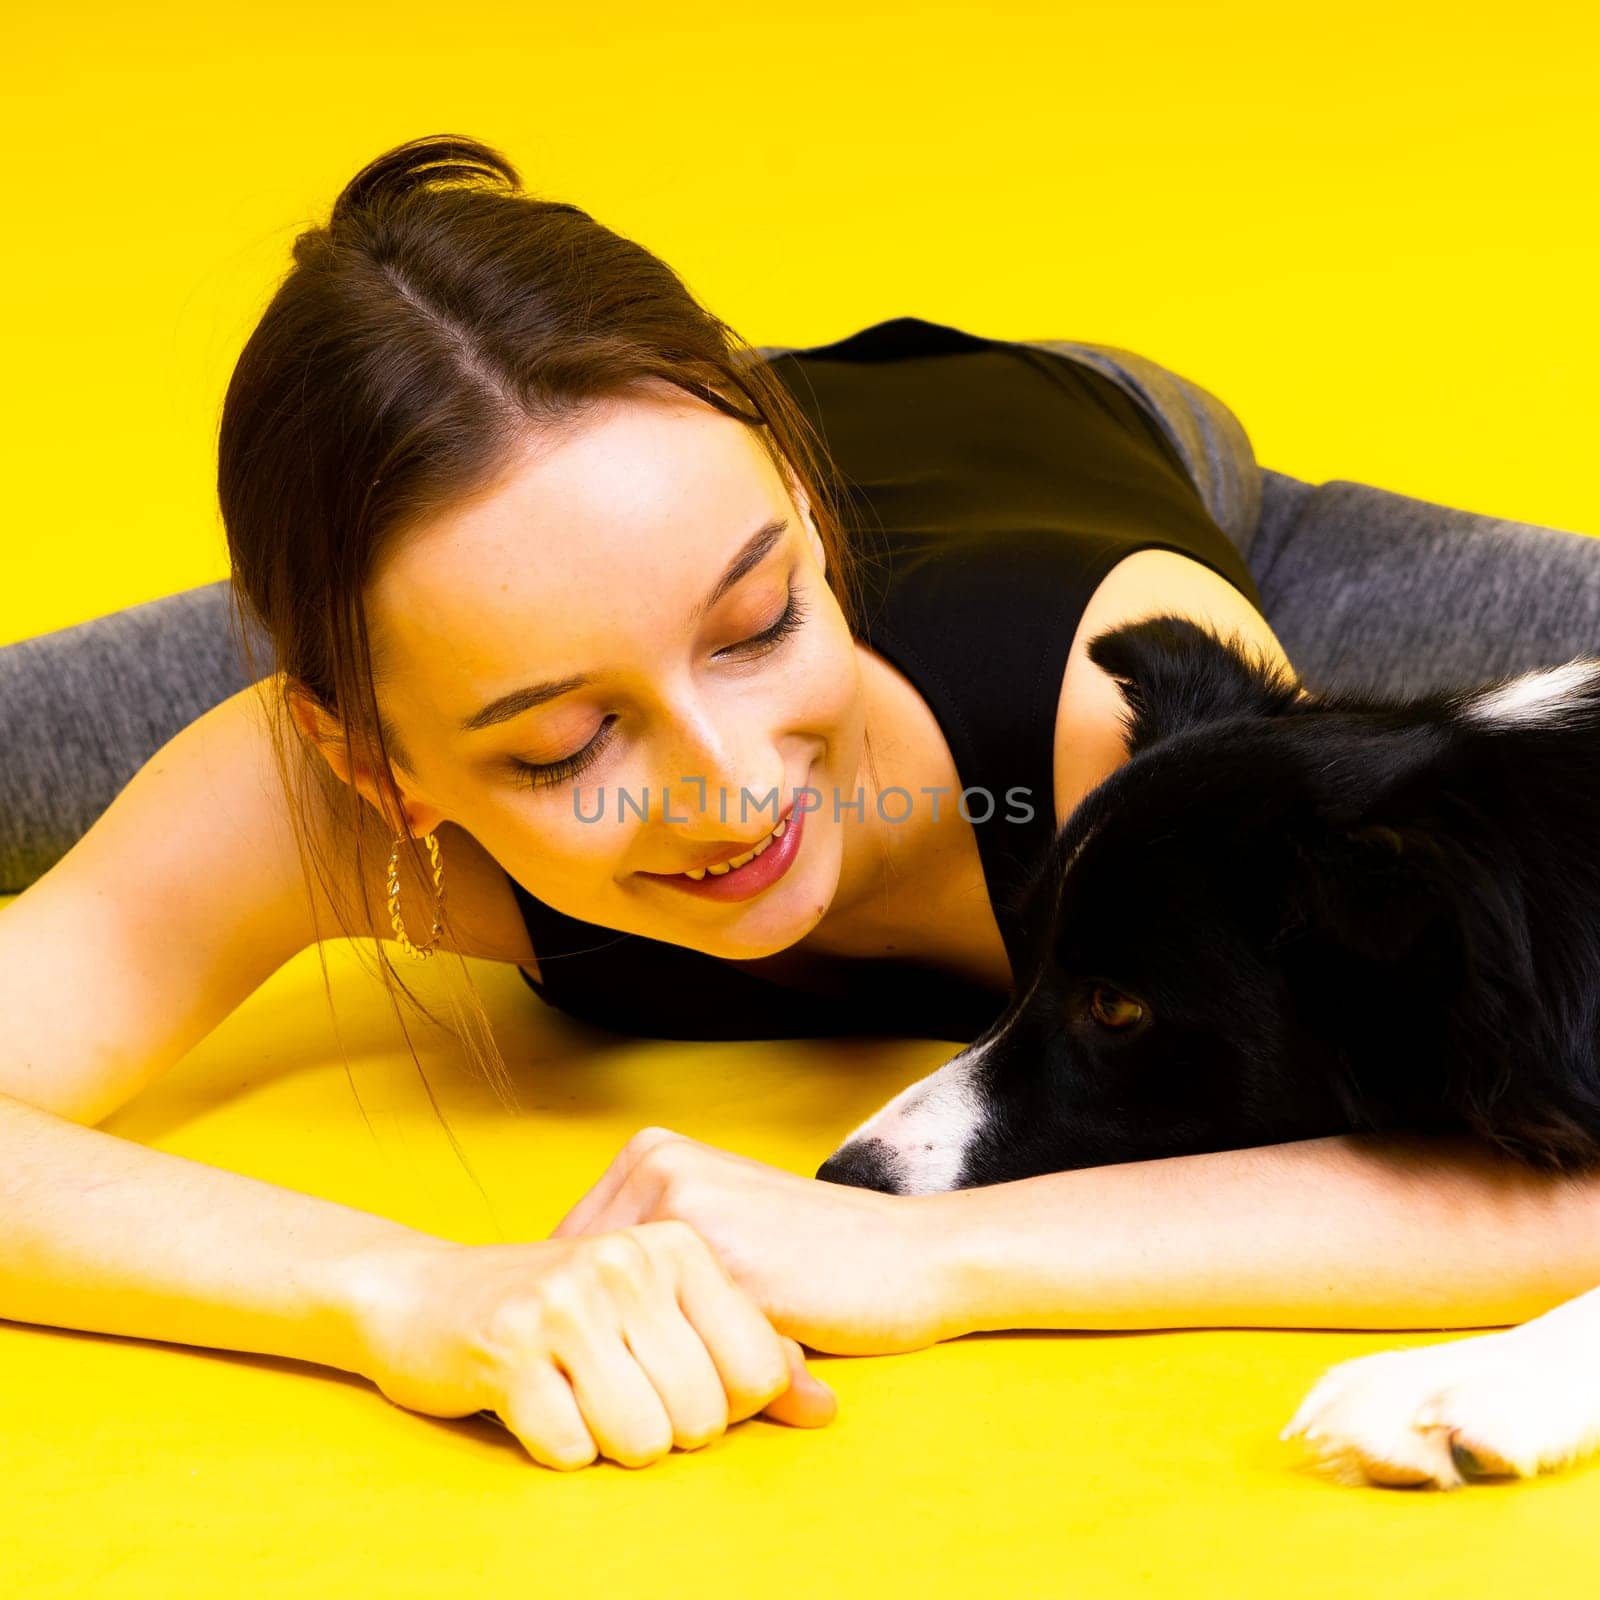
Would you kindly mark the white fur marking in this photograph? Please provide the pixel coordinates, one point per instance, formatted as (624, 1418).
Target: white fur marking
(1544, 695)
(929, 1125)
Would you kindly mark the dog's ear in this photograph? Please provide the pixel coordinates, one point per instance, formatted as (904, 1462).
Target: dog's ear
(1425, 966)
(1373, 868)
(1373, 890)
(1175, 674)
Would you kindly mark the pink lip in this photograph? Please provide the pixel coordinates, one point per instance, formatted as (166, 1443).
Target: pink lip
(745, 882)
(725, 854)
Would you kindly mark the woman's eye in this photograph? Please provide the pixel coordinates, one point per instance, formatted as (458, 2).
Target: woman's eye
(794, 614)
(551, 774)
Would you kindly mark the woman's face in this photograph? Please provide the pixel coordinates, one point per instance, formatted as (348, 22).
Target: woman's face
(574, 617)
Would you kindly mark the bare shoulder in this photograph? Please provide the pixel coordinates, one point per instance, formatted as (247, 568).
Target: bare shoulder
(1088, 735)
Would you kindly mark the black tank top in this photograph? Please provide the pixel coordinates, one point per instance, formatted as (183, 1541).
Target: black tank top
(989, 486)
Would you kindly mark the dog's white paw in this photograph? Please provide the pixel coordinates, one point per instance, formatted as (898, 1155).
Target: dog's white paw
(1501, 1405)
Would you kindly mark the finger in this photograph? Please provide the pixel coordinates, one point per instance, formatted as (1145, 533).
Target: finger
(541, 1410)
(619, 1403)
(808, 1402)
(750, 1356)
(676, 1361)
(596, 1196)
(610, 1182)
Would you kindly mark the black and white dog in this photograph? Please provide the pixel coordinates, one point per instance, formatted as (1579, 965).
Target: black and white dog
(1289, 915)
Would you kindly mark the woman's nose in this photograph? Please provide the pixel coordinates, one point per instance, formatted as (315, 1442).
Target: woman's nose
(710, 780)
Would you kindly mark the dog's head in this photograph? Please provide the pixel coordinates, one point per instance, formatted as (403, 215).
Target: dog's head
(1273, 921)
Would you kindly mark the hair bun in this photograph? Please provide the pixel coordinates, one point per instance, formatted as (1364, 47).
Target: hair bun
(440, 158)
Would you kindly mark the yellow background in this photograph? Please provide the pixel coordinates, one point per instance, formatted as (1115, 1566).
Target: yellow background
(1369, 228)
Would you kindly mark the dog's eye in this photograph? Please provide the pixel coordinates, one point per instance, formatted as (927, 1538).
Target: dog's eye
(1111, 1008)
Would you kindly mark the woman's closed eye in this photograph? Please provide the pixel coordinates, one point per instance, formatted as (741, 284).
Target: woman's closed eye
(550, 774)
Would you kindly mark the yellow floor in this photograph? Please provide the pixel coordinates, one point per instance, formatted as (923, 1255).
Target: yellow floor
(1000, 1464)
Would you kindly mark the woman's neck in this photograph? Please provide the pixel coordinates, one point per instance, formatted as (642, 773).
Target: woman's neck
(910, 889)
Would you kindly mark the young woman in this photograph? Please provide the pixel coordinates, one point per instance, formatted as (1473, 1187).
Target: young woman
(524, 525)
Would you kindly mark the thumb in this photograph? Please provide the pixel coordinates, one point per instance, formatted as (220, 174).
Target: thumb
(808, 1402)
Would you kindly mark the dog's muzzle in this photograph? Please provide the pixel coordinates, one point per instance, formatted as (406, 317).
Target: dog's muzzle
(916, 1144)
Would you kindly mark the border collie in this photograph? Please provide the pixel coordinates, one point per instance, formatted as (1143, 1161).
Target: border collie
(1291, 914)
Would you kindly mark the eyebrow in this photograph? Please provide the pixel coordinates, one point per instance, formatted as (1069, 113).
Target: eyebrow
(751, 554)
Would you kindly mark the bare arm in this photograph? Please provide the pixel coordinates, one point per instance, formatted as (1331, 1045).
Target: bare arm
(180, 900)
(107, 1235)
(1346, 1232)
(102, 1234)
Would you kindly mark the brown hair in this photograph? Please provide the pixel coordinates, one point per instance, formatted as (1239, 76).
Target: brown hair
(440, 313)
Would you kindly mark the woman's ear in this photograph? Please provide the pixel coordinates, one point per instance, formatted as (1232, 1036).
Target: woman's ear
(321, 731)
(325, 734)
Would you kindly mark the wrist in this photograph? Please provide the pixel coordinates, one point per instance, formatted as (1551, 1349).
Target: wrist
(952, 1229)
(999, 1258)
(373, 1290)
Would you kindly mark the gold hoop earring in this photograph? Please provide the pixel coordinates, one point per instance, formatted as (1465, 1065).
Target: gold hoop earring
(416, 952)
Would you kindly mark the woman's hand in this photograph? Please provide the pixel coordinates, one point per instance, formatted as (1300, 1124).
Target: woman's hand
(623, 1343)
(841, 1269)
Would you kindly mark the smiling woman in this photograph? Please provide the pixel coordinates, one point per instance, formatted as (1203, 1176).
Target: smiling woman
(477, 508)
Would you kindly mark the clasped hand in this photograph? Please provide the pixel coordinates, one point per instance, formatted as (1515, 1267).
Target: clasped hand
(668, 1302)
(847, 1271)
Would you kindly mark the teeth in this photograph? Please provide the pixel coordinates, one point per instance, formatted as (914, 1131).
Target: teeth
(723, 868)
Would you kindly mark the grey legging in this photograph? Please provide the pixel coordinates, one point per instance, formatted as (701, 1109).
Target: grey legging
(1362, 585)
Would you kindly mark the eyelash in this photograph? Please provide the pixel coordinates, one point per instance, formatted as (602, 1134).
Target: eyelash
(549, 774)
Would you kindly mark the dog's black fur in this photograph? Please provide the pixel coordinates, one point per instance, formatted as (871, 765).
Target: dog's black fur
(1338, 911)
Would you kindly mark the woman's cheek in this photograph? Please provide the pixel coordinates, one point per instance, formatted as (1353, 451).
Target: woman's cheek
(830, 678)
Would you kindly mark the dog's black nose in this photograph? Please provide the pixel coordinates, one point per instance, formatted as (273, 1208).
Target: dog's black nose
(869, 1164)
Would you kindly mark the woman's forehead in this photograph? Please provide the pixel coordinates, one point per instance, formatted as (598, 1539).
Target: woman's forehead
(624, 519)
